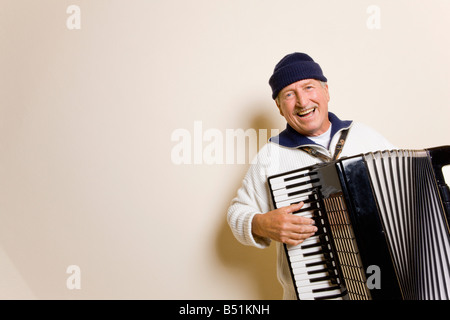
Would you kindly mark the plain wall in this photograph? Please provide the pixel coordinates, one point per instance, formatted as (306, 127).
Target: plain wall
(89, 117)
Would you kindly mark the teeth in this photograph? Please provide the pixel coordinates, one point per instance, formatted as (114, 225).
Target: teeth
(304, 112)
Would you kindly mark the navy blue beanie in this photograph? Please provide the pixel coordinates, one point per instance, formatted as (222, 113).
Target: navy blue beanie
(292, 68)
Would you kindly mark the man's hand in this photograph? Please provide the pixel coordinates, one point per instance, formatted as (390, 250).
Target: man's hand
(282, 226)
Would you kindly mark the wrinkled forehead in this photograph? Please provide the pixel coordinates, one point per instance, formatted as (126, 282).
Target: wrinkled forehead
(300, 84)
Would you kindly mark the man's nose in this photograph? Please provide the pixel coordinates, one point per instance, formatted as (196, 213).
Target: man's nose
(302, 100)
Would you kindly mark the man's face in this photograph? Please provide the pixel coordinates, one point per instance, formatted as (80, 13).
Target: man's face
(304, 105)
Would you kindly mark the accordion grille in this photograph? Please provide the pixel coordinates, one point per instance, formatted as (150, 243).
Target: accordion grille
(346, 248)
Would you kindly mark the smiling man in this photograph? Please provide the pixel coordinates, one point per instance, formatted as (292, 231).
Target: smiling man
(304, 104)
(312, 135)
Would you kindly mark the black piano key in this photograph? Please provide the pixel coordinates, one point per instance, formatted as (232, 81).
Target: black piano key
(299, 192)
(333, 296)
(325, 289)
(311, 173)
(312, 245)
(317, 271)
(312, 198)
(331, 270)
(327, 254)
(324, 247)
(313, 209)
(313, 264)
(332, 277)
(313, 253)
(299, 184)
(329, 265)
(329, 277)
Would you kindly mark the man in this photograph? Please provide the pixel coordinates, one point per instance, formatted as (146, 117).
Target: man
(300, 91)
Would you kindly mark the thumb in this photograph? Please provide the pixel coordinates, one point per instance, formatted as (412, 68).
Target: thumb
(295, 207)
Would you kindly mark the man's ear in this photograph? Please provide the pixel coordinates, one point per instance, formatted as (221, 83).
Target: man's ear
(327, 93)
(278, 106)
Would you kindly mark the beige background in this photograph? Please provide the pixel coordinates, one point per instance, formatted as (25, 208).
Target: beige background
(86, 118)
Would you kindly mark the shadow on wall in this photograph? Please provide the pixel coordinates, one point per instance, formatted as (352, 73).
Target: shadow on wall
(259, 264)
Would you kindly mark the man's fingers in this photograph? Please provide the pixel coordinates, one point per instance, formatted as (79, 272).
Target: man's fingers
(298, 219)
(301, 229)
(283, 226)
(298, 234)
(297, 239)
(294, 207)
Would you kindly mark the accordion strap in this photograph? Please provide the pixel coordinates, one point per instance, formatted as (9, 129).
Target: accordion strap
(337, 151)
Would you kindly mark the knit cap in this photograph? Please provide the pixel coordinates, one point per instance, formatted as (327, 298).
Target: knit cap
(292, 68)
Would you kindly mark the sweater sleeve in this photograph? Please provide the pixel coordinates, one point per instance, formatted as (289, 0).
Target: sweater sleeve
(251, 199)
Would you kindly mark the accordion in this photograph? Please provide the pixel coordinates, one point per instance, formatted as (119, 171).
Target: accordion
(383, 226)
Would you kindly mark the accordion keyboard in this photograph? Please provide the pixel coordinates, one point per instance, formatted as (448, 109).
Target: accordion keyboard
(312, 264)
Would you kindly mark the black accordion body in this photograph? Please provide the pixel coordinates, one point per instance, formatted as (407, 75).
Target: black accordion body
(383, 226)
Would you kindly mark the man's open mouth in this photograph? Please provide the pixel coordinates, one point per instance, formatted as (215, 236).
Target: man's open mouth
(306, 112)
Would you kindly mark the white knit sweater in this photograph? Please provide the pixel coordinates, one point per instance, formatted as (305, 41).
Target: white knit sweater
(253, 197)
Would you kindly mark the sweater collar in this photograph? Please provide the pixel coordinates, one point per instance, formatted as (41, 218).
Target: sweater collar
(292, 139)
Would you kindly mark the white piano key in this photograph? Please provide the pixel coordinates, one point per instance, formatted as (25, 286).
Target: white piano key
(304, 262)
(308, 285)
(295, 199)
(300, 267)
(285, 197)
(306, 296)
(309, 277)
(308, 241)
(285, 200)
(308, 260)
(316, 286)
(286, 191)
(300, 253)
(312, 296)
